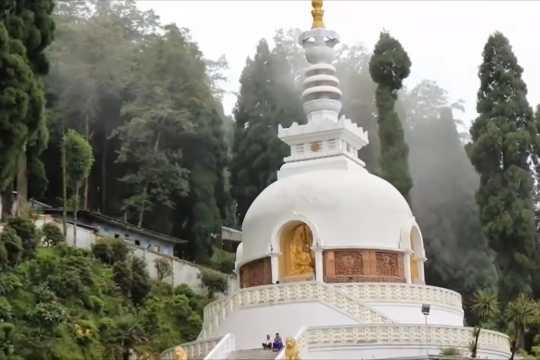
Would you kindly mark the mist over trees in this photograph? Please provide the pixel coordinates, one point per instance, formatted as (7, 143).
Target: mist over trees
(147, 101)
(149, 104)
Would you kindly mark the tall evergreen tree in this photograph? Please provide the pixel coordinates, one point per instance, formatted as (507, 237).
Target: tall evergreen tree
(267, 98)
(31, 23)
(388, 66)
(503, 136)
(28, 30)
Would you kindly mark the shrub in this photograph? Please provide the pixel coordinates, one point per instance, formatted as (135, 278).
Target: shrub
(6, 311)
(214, 281)
(52, 235)
(11, 247)
(110, 251)
(119, 249)
(48, 315)
(163, 268)
(28, 233)
(132, 278)
(450, 351)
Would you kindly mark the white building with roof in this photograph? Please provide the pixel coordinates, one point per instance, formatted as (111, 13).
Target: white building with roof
(331, 255)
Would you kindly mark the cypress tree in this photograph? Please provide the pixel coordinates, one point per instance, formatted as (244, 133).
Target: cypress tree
(16, 86)
(503, 136)
(31, 24)
(388, 66)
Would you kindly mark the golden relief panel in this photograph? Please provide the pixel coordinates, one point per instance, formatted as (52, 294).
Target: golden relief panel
(256, 273)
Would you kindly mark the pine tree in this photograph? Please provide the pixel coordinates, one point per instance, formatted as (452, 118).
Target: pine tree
(31, 23)
(267, 98)
(503, 136)
(388, 66)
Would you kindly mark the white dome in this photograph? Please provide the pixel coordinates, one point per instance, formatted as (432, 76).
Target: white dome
(345, 208)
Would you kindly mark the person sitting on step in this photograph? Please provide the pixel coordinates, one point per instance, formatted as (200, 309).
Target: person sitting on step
(267, 344)
(278, 343)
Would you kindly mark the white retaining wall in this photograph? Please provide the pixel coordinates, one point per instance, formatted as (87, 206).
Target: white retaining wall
(183, 272)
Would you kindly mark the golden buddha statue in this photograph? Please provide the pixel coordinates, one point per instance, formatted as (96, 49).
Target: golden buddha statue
(292, 351)
(298, 259)
(180, 353)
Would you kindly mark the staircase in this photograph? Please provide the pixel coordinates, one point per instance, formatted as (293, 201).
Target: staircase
(252, 354)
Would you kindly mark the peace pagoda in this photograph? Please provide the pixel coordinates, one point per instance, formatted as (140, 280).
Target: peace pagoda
(332, 258)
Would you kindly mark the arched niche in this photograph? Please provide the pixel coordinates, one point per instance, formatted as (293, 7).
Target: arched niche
(296, 258)
(417, 256)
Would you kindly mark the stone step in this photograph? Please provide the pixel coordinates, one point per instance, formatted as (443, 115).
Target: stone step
(252, 354)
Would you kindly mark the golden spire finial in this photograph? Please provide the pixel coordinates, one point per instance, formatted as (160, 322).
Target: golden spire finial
(317, 13)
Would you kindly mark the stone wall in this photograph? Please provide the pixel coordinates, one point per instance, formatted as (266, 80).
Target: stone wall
(355, 265)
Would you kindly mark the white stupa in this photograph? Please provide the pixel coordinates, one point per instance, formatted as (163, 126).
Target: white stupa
(332, 256)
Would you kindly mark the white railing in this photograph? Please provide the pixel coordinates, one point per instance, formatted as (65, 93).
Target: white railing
(196, 350)
(403, 293)
(215, 313)
(223, 348)
(395, 334)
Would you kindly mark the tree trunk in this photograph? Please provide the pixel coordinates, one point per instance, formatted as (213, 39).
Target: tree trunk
(75, 209)
(104, 176)
(143, 207)
(87, 134)
(7, 202)
(145, 192)
(22, 183)
(64, 183)
(475, 347)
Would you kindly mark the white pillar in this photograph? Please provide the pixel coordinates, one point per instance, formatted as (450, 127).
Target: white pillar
(421, 270)
(274, 263)
(407, 266)
(319, 271)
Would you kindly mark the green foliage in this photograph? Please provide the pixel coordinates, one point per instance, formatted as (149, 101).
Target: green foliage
(520, 314)
(486, 309)
(222, 260)
(64, 304)
(110, 250)
(26, 29)
(11, 247)
(27, 232)
(52, 234)
(451, 352)
(214, 281)
(133, 279)
(503, 139)
(388, 66)
(268, 98)
(79, 157)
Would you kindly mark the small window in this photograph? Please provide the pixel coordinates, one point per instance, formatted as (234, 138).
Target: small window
(137, 242)
(116, 236)
(299, 149)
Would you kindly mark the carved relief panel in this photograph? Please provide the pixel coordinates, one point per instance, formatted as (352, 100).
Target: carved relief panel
(356, 265)
(256, 273)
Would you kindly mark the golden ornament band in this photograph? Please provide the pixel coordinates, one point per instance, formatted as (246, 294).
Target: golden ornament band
(317, 13)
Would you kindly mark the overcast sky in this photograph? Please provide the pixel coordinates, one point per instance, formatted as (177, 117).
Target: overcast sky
(444, 39)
